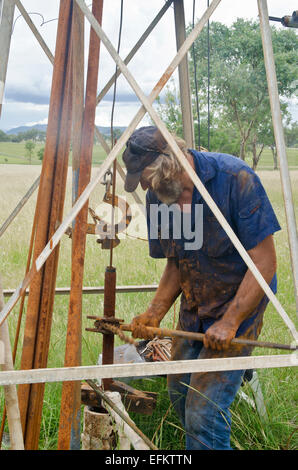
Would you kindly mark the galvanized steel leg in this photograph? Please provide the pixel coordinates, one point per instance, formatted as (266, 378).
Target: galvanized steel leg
(279, 139)
(184, 82)
(10, 391)
(8, 7)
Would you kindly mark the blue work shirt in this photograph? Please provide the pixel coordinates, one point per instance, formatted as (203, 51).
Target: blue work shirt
(211, 275)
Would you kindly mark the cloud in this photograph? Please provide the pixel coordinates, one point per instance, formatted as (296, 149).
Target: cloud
(24, 96)
(29, 72)
(122, 97)
(20, 114)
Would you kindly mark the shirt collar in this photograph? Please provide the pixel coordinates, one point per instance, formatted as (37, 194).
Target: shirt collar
(204, 169)
(203, 165)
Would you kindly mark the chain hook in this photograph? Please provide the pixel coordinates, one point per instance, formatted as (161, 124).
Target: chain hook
(107, 182)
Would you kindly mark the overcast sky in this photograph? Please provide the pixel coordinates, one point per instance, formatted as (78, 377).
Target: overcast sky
(29, 74)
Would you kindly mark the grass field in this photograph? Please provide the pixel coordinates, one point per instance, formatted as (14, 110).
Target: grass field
(15, 153)
(266, 160)
(134, 266)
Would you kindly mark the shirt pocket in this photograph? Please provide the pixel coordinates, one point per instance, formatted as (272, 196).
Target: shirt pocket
(250, 223)
(216, 242)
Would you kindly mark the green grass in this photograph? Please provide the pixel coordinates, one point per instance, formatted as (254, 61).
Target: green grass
(266, 160)
(135, 267)
(15, 153)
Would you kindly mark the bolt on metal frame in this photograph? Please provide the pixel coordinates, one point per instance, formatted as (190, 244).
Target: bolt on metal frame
(191, 366)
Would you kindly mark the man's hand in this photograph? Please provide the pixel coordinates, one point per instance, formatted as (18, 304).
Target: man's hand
(219, 335)
(166, 294)
(140, 323)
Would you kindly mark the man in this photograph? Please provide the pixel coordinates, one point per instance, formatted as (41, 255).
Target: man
(219, 295)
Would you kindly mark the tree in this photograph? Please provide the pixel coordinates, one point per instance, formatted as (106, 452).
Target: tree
(291, 135)
(29, 146)
(169, 109)
(262, 135)
(238, 85)
(240, 117)
(40, 153)
(16, 138)
(31, 134)
(4, 137)
(222, 135)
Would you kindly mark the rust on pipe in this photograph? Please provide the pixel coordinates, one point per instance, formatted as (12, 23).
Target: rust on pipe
(71, 395)
(78, 95)
(48, 294)
(109, 312)
(162, 332)
(50, 206)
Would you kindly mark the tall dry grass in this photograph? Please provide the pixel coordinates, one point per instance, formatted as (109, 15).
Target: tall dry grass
(134, 266)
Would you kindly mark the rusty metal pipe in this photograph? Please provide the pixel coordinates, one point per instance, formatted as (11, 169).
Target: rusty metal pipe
(78, 96)
(162, 332)
(109, 312)
(47, 220)
(48, 294)
(71, 394)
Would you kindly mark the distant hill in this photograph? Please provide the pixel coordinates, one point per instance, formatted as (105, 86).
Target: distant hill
(43, 127)
(18, 130)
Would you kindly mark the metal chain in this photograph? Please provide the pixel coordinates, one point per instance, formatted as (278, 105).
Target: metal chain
(107, 182)
(117, 331)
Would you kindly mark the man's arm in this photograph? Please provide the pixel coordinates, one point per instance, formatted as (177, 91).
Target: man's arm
(166, 294)
(248, 296)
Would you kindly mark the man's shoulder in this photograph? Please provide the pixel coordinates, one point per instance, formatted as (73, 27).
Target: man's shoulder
(151, 197)
(226, 163)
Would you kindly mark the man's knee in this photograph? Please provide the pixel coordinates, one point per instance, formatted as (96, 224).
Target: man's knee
(177, 383)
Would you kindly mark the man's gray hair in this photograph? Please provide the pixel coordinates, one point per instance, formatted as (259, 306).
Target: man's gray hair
(166, 167)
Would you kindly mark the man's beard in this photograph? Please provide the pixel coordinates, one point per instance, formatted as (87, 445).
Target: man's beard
(169, 192)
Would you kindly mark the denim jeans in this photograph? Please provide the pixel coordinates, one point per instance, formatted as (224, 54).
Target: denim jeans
(202, 400)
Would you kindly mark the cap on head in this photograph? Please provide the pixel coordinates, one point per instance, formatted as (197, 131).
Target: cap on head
(142, 148)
